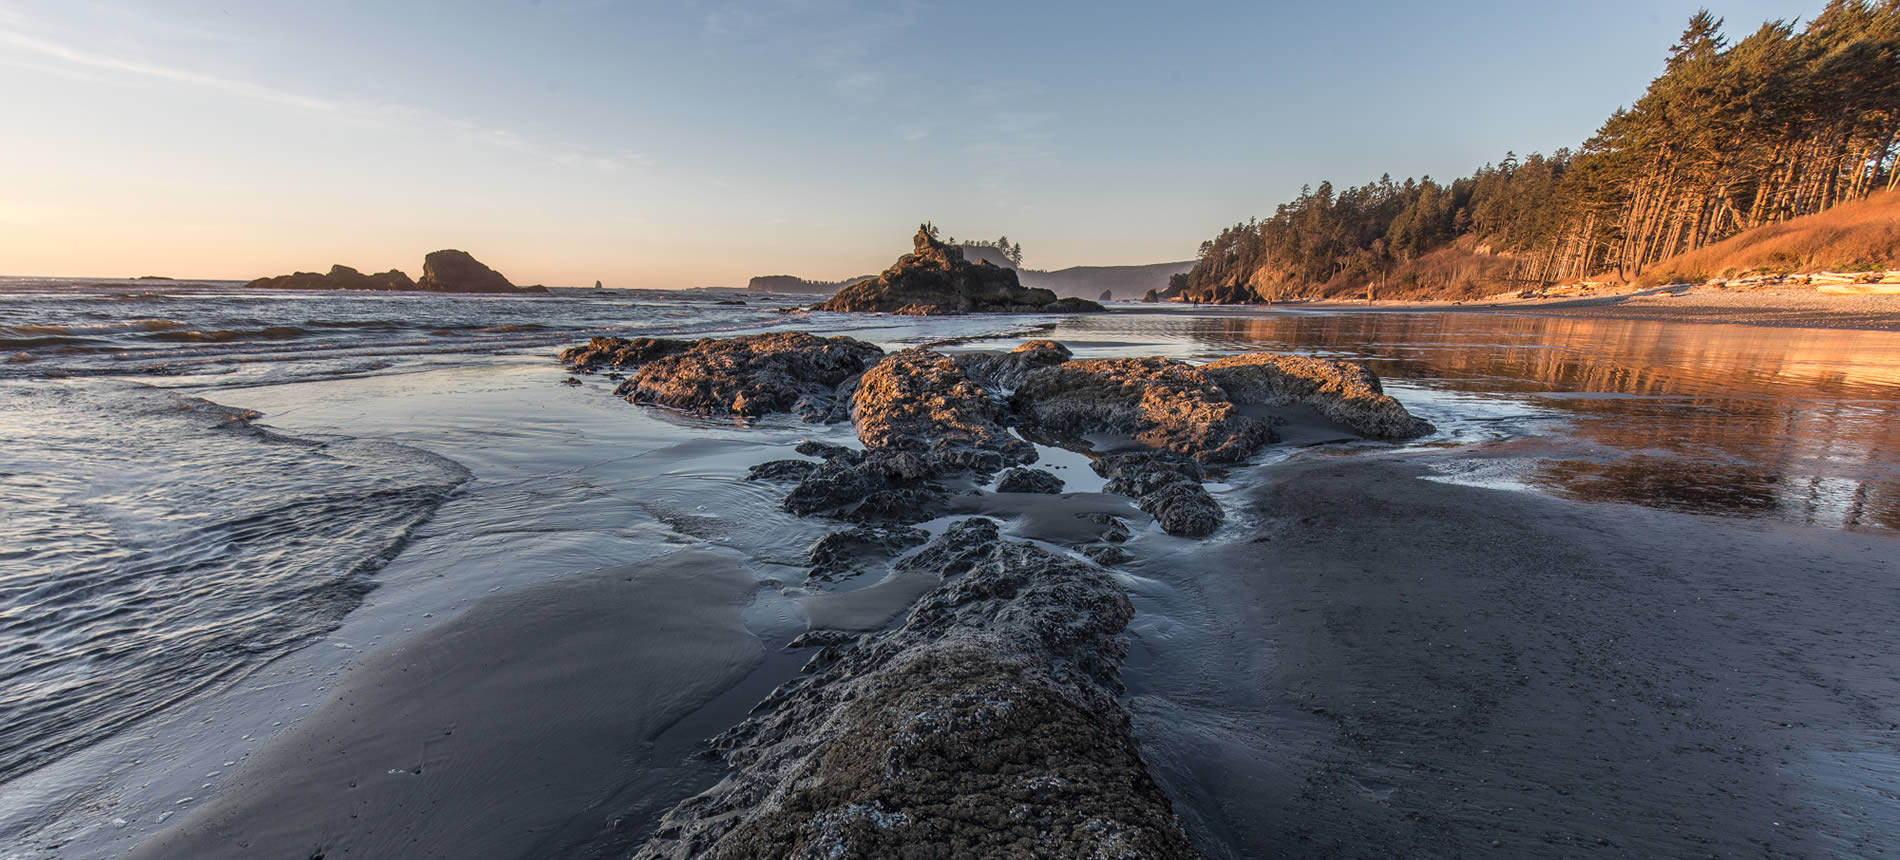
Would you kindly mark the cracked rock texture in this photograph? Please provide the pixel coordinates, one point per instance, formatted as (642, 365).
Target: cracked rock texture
(1345, 392)
(986, 726)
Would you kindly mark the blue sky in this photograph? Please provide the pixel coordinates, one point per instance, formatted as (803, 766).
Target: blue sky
(674, 144)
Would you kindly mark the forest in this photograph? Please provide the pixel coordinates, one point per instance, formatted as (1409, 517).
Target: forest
(1786, 122)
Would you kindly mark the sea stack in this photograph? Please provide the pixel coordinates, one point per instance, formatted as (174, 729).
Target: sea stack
(457, 272)
(935, 279)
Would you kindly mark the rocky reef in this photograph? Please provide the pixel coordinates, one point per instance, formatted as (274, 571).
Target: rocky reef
(338, 278)
(935, 425)
(987, 722)
(747, 376)
(1166, 404)
(935, 279)
(986, 726)
(442, 272)
(1342, 391)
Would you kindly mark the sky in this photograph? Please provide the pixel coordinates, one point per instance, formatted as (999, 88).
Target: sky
(701, 142)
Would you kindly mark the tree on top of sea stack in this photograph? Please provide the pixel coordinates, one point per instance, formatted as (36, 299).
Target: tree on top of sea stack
(935, 278)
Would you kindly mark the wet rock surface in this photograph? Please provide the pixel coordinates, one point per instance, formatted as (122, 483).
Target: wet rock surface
(1165, 485)
(929, 420)
(855, 548)
(1005, 370)
(986, 725)
(753, 375)
(921, 401)
(620, 353)
(1165, 404)
(1029, 481)
(781, 470)
(935, 279)
(1345, 392)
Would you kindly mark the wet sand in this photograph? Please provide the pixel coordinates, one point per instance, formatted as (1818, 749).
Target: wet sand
(544, 713)
(1394, 666)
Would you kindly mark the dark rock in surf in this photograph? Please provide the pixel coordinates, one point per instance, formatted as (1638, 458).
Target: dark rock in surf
(1001, 370)
(1107, 295)
(620, 353)
(781, 471)
(854, 548)
(753, 375)
(1165, 485)
(935, 279)
(901, 505)
(1113, 529)
(1029, 481)
(834, 485)
(828, 451)
(1151, 296)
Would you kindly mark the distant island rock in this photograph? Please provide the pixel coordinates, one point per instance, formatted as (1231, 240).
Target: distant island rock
(935, 279)
(795, 284)
(446, 271)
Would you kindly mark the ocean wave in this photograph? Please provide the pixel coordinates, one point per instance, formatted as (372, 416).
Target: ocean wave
(231, 335)
(159, 546)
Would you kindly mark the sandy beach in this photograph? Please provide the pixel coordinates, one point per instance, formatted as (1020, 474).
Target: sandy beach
(1452, 670)
(1791, 307)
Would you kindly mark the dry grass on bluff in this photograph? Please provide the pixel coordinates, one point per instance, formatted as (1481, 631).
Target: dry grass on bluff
(1862, 236)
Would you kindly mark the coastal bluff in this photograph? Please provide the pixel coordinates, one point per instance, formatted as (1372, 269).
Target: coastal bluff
(936, 279)
(447, 271)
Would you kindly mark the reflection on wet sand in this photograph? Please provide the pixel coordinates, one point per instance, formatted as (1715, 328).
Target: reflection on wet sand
(1797, 424)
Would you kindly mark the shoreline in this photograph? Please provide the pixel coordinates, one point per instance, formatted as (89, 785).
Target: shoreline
(1780, 308)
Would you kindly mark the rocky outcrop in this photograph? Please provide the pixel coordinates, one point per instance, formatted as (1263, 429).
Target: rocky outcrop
(986, 726)
(619, 353)
(1029, 481)
(854, 549)
(932, 423)
(1107, 295)
(753, 375)
(1163, 403)
(1344, 392)
(1165, 485)
(920, 401)
(442, 272)
(1005, 370)
(457, 272)
(935, 278)
(338, 278)
(794, 284)
(1151, 296)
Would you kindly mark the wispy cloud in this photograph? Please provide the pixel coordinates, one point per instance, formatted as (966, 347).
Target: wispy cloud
(840, 39)
(86, 59)
(57, 57)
